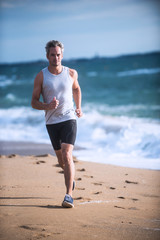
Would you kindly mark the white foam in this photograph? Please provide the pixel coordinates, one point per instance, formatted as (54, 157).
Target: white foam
(92, 74)
(22, 124)
(4, 82)
(11, 97)
(119, 110)
(123, 141)
(138, 72)
(119, 140)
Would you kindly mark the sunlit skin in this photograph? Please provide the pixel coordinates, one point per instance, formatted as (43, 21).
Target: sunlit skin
(55, 57)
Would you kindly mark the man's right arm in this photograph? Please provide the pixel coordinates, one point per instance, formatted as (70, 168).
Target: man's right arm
(37, 90)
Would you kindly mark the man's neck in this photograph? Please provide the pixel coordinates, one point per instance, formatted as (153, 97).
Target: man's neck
(55, 69)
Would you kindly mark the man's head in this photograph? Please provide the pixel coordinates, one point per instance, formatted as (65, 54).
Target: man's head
(54, 52)
(54, 43)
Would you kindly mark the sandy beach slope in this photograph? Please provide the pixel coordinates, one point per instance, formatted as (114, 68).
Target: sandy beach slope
(113, 203)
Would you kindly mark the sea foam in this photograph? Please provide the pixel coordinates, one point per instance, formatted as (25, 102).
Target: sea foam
(121, 140)
(138, 72)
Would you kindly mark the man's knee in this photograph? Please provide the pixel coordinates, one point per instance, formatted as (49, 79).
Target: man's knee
(59, 157)
(67, 154)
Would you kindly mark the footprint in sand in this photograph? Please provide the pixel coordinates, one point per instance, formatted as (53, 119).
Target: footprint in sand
(121, 197)
(43, 155)
(86, 176)
(97, 184)
(97, 193)
(28, 227)
(61, 172)
(119, 207)
(131, 182)
(81, 170)
(39, 162)
(78, 179)
(39, 232)
(56, 165)
(78, 198)
(134, 199)
(75, 160)
(80, 188)
(112, 188)
(42, 235)
(81, 198)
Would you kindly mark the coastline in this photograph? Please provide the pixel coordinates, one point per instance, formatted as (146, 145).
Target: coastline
(26, 148)
(111, 202)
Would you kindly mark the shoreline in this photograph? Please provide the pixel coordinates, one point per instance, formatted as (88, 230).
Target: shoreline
(24, 148)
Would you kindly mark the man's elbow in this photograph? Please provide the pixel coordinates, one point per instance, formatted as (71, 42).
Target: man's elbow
(77, 89)
(32, 103)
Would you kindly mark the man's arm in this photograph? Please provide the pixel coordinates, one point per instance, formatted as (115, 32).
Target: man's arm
(37, 90)
(76, 92)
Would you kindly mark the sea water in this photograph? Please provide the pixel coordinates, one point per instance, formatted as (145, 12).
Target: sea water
(120, 102)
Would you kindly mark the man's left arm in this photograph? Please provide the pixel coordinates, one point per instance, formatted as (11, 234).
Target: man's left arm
(76, 92)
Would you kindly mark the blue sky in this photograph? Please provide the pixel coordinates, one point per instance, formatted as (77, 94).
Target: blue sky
(86, 27)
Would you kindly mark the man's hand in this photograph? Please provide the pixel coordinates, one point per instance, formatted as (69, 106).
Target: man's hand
(53, 104)
(79, 113)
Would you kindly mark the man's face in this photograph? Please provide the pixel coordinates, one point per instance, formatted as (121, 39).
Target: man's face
(55, 56)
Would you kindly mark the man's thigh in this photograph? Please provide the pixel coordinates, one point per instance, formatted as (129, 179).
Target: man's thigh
(68, 132)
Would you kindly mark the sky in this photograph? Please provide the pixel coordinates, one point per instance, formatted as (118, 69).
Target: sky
(87, 28)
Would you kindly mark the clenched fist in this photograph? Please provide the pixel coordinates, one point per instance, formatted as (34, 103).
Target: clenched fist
(79, 112)
(53, 104)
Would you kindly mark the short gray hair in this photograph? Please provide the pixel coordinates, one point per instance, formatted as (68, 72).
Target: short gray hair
(54, 43)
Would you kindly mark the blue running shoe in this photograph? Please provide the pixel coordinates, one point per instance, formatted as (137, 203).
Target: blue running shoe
(68, 202)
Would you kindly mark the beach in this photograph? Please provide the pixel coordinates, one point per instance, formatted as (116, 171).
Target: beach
(111, 202)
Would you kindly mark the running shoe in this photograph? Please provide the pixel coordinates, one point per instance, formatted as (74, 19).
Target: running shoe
(68, 202)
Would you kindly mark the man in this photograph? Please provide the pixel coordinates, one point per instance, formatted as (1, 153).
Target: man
(58, 84)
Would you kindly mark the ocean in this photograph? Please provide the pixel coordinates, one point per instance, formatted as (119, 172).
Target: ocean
(120, 102)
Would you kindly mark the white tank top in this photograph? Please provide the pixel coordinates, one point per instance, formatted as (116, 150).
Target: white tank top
(59, 86)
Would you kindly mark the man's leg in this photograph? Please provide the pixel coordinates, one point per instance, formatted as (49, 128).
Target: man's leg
(60, 158)
(69, 169)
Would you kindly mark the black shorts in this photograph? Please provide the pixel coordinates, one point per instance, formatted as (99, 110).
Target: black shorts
(63, 132)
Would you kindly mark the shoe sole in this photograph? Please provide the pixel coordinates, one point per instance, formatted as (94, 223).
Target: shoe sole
(67, 205)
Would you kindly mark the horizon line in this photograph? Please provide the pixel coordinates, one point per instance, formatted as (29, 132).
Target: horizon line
(82, 58)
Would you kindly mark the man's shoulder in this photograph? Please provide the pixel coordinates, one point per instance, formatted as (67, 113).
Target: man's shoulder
(44, 70)
(73, 73)
(39, 76)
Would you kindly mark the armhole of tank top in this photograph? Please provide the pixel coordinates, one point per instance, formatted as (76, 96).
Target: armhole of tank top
(70, 76)
(43, 73)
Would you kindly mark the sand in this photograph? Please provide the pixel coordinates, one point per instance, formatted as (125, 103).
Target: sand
(113, 203)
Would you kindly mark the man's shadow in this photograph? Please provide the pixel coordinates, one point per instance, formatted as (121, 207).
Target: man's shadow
(21, 205)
